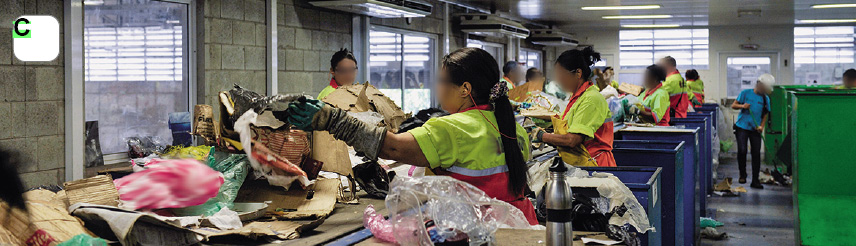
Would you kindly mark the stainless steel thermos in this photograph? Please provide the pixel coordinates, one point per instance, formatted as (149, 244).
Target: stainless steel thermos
(559, 198)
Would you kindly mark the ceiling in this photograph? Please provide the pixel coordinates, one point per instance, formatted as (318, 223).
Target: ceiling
(567, 15)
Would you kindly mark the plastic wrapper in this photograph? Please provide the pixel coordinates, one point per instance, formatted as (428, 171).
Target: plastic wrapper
(454, 206)
(234, 168)
(169, 184)
(200, 153)
(139, 147)
(609, 92)
(271, 173)
(372, 178)
(619, 195)
(380, 227)
(617, 109)
(244, 100)
(420, 118)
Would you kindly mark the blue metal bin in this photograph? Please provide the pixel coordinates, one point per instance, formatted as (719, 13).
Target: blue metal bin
(668, 155)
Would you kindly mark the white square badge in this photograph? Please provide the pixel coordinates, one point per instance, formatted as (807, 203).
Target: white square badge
(35, 38)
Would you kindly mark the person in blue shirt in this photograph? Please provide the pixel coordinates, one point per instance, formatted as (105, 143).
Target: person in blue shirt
(754, 106)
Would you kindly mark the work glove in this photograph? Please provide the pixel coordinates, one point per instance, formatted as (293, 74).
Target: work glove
(537, 135)
(310, 114)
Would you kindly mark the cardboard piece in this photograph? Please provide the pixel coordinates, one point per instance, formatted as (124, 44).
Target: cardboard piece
(261, 230)
(98, 190)
(365, 97)
(538, 112)
(317, 201)
(47, 223)
(332, 153)
(132, 227)
(522, 92)
(630, 89)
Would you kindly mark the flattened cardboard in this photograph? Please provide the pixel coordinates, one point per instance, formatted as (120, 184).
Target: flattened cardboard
(320, 205)
(132, 227)
(98, 190)
(47, 220)
(522, 92)
(630, 89)
(528, 237)
(365, 97)
(331, 152)
(261, 230)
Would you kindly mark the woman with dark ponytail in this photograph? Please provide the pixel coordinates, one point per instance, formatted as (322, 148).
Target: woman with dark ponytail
(479, 143)
(583, 134)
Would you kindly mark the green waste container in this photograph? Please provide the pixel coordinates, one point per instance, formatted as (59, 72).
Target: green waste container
(823, 139)
(776, 132)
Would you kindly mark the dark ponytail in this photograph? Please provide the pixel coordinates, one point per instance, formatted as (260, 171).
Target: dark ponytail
(479, 68)
(579, 59)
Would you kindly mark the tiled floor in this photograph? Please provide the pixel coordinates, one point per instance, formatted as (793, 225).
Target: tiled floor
(758, 217)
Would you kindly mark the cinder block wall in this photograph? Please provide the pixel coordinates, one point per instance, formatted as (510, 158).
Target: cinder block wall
(235, 41)
(31, 100)
(307, 38)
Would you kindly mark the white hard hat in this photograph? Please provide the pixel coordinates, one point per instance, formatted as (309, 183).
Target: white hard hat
(767, 80)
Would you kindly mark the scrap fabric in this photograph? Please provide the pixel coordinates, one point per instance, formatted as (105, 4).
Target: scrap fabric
(169, 184)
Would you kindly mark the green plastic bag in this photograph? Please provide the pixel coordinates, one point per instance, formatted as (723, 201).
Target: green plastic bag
(705, 222)
(235, 168)
(725, 145)
(84, 240)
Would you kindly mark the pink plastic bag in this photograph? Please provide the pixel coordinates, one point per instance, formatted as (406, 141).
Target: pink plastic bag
(380, 227)
(169, 184)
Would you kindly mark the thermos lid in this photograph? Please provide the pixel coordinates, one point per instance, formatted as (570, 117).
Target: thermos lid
(558, 165)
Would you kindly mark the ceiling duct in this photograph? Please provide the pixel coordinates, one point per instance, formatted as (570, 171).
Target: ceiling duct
(491, 25)
(552, 37)
(378, 8)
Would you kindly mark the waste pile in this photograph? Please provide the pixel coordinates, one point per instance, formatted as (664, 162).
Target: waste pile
(252, 179)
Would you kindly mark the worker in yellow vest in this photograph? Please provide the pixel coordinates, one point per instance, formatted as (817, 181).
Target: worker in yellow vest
(696, 87)
(676, 86)
(343, 68)
(513, 73)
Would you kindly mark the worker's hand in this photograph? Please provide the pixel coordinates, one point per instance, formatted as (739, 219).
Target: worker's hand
(634, 110)
(304, 114)
(760, 129)
(746, 106)
(537, 135)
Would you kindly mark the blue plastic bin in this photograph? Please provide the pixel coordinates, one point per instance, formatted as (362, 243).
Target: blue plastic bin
(644, 182)
(709, 142)
(668, 155)
(705, 162)
(691, 205)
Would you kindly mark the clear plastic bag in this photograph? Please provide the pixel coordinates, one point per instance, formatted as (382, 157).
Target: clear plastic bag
(617, 109)
(454, 206)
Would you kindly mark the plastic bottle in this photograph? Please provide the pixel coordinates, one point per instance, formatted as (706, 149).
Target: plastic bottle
(559, 200)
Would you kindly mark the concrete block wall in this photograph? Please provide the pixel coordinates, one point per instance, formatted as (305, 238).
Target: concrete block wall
(235, 41)
(31, 100)
(307, 38)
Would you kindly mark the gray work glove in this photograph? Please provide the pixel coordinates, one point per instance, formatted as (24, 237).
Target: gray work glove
(310, 114)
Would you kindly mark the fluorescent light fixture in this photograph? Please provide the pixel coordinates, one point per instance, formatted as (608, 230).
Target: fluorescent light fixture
(651, 26)
(834, 5)
(626, 7)
(821, 21)
(619, 17)
(93, 2)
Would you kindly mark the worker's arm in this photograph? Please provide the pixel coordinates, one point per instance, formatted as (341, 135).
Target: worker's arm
(647, 116)
(403, 148)
(567, 140)
(737, 105)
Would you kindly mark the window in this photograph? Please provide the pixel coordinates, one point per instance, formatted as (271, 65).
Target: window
(401, 65)
(495, 50)
(530, 58)
(641, 48)
(135, 69)
(821, 54)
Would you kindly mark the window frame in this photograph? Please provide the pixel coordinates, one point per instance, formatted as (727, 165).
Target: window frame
(653, 51)
(75, 110)
(434, 50)
(526, 51)
(836, 77)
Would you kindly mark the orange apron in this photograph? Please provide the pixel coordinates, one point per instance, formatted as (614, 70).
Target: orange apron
(596, 151)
